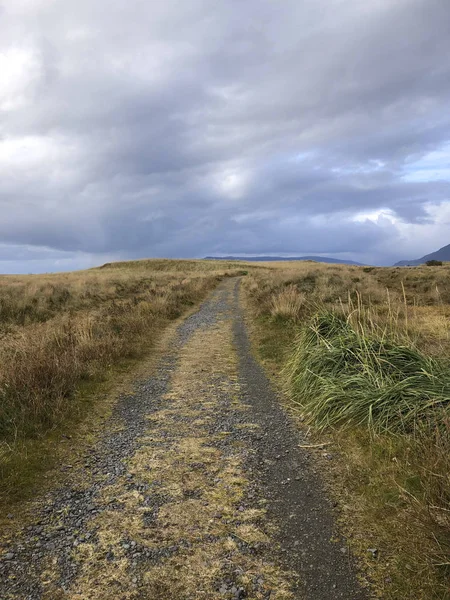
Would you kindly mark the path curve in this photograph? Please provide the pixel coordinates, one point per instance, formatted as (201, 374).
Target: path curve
(197, 490)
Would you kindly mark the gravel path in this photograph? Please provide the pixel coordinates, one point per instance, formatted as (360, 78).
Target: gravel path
(197, 490)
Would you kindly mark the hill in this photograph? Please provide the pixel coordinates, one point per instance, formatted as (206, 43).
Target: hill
(441, 254)
(322, 259)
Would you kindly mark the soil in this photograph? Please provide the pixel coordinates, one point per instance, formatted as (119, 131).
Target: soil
(197, 489)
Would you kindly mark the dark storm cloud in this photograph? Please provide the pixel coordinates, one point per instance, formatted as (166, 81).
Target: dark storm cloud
(137, 128)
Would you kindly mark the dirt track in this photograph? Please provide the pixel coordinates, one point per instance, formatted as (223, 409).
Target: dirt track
(197, 490)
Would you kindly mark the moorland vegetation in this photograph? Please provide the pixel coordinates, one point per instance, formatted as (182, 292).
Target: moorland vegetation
(63, 334)
(363, 356)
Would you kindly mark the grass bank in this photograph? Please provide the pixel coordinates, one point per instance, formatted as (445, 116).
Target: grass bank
(362, 354)
(62, 335)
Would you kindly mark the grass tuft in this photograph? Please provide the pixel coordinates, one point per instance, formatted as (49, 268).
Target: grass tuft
(287, 303)
(343, 376)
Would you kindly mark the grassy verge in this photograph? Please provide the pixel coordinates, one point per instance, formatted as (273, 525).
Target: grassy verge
(62, 336)
(365, 368)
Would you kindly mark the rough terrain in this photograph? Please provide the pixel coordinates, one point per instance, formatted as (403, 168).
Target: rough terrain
(198, 489)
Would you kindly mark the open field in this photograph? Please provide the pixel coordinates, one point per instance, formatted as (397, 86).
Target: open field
(196, 487)
(363, 356)
(62, 333)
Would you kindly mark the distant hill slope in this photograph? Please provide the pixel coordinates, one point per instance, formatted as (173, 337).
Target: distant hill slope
(323, 259)
(441, 254)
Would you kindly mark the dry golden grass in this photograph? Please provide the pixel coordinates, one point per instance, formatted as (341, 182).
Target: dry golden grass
(59, 333)
(287, 303)
(413, 300)
(394, 489)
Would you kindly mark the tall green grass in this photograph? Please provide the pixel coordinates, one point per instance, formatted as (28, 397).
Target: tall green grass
(342, 374)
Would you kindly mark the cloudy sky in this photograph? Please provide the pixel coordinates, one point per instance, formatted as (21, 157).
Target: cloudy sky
(187, 128)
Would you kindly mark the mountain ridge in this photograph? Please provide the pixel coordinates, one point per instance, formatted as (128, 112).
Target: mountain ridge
(442, 254)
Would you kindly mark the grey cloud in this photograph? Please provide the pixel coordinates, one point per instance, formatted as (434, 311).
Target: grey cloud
(184, 129)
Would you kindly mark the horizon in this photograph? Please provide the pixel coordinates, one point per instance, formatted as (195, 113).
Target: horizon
(240, 257)
(307, 128)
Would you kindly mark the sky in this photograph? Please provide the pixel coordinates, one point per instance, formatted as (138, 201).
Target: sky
(142, 128)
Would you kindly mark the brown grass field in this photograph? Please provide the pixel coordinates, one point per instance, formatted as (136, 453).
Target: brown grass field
(61, 334)
(376, 391)
(362, 353)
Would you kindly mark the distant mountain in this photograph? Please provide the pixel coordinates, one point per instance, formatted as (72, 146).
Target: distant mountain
(323, 259)
(441, 254)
